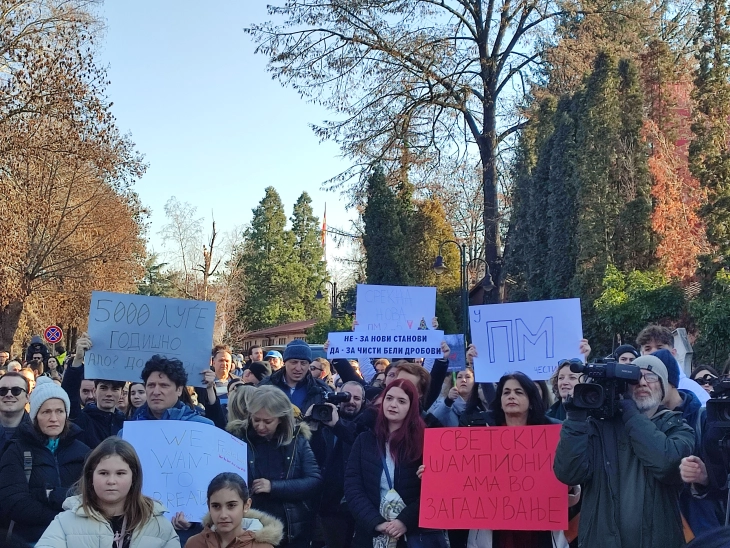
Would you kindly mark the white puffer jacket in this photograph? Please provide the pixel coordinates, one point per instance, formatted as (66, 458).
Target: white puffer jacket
(73, 528)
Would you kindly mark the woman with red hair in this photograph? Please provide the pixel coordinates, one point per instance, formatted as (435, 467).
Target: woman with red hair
(381, 484)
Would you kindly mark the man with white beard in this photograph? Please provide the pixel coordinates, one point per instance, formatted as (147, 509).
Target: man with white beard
(628, 466)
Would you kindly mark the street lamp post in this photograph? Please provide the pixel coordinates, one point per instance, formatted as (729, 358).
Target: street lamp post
(439, 267)
(333, 296)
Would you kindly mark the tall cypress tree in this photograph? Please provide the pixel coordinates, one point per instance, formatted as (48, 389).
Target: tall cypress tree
(385, 242)
(709, 154)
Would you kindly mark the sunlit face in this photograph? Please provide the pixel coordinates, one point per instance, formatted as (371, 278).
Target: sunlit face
(10, 403)
(4, 357)
(112, 480)
(396, 405)
(464, 382)
(51, 417)
(264, 423)
(653, 346)
(357, 396)
(257, 354)
(249, 378)
(86, 392)
(137, 395)
(647, 393)
(107, 396)
(567, 381)
(30, 377)
(227, 510)
(275, 363)
(296, 370)
(52, 364)
(514, 400)
(123, 402)
(161, 393)
(222, 365)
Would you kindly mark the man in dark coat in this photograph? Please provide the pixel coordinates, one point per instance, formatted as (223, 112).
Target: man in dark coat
(13, 399)
(628, 466)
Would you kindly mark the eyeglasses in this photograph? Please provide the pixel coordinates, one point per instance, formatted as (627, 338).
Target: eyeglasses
(650, 377)
(576, 361)
(15, 391)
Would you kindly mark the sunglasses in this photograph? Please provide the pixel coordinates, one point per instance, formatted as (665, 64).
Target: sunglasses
(15, 391)
(314, 368)
(576, 361)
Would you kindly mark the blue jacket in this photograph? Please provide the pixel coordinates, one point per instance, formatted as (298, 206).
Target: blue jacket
(178, 412)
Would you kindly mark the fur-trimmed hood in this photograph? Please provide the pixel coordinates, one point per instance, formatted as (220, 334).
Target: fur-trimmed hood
(259, 528)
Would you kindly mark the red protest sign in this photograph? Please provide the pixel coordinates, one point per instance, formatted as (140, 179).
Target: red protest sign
(498, 478)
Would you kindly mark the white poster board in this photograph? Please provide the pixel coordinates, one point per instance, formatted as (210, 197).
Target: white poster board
(180, 458)
(394, 308)
(531, 337)
(127, 330)
(384, 344)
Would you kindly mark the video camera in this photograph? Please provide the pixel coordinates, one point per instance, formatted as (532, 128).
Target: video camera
(321, 412)
(716, 437)
(604, 383)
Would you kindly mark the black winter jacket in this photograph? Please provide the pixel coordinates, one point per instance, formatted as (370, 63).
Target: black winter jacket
(26, 502)
(98, 425)
(339, 440)
(362, 489)
(295, 480)
(315, 388)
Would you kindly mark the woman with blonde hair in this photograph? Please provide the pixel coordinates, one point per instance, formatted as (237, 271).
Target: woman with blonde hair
(110, 509)
(237, 407)
(282, 472)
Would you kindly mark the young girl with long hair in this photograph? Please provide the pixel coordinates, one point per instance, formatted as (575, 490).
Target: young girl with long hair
(110, 509)
(381, 482)
(231, 522)
(137, 397)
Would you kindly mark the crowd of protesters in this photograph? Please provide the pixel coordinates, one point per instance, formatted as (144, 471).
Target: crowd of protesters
(347, 474)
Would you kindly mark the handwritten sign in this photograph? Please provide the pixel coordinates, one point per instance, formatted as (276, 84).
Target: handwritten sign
(531, 337)
(180, 458)
(498, 478)
(127, 330)
(408, 344)
(394, 307)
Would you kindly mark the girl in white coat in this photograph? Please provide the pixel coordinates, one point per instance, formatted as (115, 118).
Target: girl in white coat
(111, 509)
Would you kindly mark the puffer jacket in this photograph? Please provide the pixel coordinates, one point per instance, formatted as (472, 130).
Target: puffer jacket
(362, 490)
(25, 501)
(74, 528)
(260, 531)
(626, 465)
(294, 475)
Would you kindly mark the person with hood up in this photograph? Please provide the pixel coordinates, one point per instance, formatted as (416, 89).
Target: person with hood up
(41, 464)
(230, 521)
(110, 509)
(36, 346)
(628, 466)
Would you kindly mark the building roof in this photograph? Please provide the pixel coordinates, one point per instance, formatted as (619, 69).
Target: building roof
(293, 327)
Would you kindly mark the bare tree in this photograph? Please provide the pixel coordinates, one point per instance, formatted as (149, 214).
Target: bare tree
(425, 78)
(182, 236)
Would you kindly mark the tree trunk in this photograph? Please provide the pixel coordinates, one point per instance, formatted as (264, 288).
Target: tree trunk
(492, 240)
(9, 320)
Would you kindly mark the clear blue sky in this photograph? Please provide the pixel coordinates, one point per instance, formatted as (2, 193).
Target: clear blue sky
(214, 127)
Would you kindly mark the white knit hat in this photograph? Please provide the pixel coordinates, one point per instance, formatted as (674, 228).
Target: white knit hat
(45, 389)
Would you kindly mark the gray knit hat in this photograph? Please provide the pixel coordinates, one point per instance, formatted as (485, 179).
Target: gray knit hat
(655, 365)
(45, 389)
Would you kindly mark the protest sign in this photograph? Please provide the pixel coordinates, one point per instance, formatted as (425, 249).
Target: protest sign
(127, 330)
(179, 458)
(457, 356)
(498, 478)
(394, 308)
(399, 344)
(531, 337)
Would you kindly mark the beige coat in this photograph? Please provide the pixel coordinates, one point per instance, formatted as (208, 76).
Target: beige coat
(75, 529)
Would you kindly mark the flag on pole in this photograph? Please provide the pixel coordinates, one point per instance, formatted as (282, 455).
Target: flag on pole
(324, 228)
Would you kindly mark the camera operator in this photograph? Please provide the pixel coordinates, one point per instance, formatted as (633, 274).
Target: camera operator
(339, 433)
(628, 465)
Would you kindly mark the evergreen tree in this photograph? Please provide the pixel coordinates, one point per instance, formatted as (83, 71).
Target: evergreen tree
(309, 259)
(386, 245)
(270, 268)
(709, 154)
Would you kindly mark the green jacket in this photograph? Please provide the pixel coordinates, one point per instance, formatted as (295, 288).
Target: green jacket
(630, 478)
